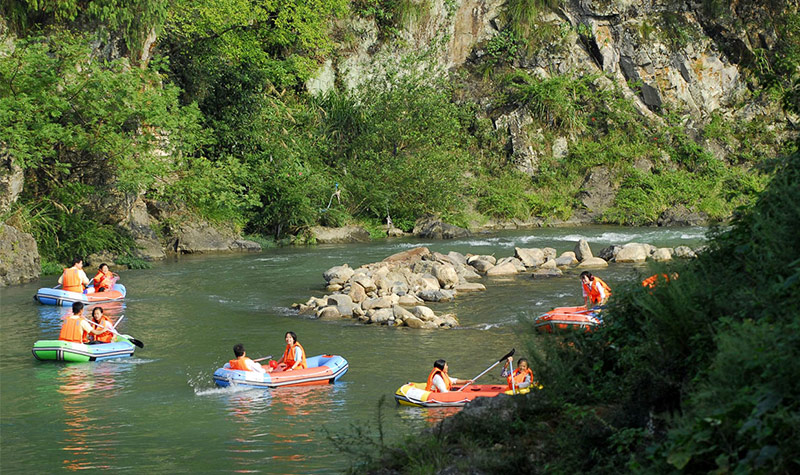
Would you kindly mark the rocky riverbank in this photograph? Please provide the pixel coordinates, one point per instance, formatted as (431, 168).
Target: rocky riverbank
(396, 290)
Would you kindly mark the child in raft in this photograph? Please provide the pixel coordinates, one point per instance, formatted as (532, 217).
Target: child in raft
(522, 374)
(294, 356)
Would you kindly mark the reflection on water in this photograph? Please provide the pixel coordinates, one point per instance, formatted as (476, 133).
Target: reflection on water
(87, 393)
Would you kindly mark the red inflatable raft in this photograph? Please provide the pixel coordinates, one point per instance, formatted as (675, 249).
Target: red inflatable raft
(414, 394)
(568, 318)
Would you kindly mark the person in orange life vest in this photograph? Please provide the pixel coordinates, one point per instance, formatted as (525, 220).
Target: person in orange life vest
(76, 327)
(522, 374)
(655, 279)
(595, 291)
(441, 382)
(242, 362)
(74, 279)
(294, 356)
(105, 279)
(102, 322)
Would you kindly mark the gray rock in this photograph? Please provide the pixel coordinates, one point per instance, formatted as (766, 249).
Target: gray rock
(409, 256)
(19, 256)
(382, 315)
(662, 254)
(546, 273)
(365, 281)
(609, 253)
(409, 300)
(684, 252)
(413, 322)
(530, 257)
(457, 257)
(436, 295)
(423, 313)
(245, 245)
(481, 265)
(339, 299)
(682, 216)
(518, 265)
(357, 293)
(593, 263)
(328, 313)
(490, 259)
(395, 232)
(338, 274)
(632, 252)
(549, 264)
(12, 179)
(549, 253)
(326, 235)
(431, 227)
(507, 268)
(192, 237)
(582, 250)
(470, 287)
(597, 192)
(382, 302)
(400, 313)
(567, 259)
(446, 275)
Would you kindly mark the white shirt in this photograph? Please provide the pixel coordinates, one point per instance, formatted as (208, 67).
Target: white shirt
(438, 381)
(253, 366)
(599, 287)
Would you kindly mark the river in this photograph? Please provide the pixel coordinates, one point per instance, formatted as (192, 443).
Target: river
(160, 412)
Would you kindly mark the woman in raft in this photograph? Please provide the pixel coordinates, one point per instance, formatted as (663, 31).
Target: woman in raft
(441, 382)
(294, 356)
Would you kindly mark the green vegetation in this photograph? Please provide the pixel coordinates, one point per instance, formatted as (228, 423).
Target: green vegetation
(218, 124)
(698, 375)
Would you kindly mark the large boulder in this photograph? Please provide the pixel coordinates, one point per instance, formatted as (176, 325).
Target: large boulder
(470, 287)
(513, 261)
(532, 257)
(326, 235)
(680, 215)
(593, 263)
(409, 257)
(338, 274)
(582, 250)
(609, 253)
(507, 268)
(549, 253)
(662, 254)
(413, 322)
(684, 252)
(365, 281)
(19, 256)
(446, 275)
(431, 227)
(383, 315)
(567, 259)
(344, 304)
(457, 257)
(436, 295)
(481, 265)
(633, 252)
(546, 273)
(382, 302)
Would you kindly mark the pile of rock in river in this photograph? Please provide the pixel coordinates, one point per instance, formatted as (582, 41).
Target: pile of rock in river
(394, 291)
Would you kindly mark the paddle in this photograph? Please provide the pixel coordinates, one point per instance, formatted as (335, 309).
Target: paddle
(505, 357)
(127, 337)
(115, 325)
(262, 359)
(513, 383)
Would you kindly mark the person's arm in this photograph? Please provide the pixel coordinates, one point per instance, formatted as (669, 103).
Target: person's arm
(602, 291)
(298, 355)
(89, 328)
(526, 383)
(61, 278)
(84, 279)
(255, 366)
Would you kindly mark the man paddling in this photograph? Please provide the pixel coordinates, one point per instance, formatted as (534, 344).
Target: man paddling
(242, 362)
(76, 328)
(74, 279)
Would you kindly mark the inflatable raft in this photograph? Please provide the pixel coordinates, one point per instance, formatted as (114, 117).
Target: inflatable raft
(568, 318)
(414, 394)
(322, 369)
(59, 350)
(53, 296)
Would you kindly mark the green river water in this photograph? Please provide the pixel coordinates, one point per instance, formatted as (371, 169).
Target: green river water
(159, 411)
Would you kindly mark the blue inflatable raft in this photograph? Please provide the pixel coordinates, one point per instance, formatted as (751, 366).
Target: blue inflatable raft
(54, 296)
(322, 369)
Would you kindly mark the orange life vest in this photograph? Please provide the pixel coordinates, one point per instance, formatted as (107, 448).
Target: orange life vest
(592, 292)
(519, 377)
(103, 281)
(106, 336)
(434, 372)
(288, 356)
(71, 280)
(71, 330)
(651, 281)
(239, 364)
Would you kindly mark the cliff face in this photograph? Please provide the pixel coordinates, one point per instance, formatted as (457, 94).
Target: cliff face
(689, 59)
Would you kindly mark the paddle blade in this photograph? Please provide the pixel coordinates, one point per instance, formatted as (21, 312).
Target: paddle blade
(509, 354)
(133, 340)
